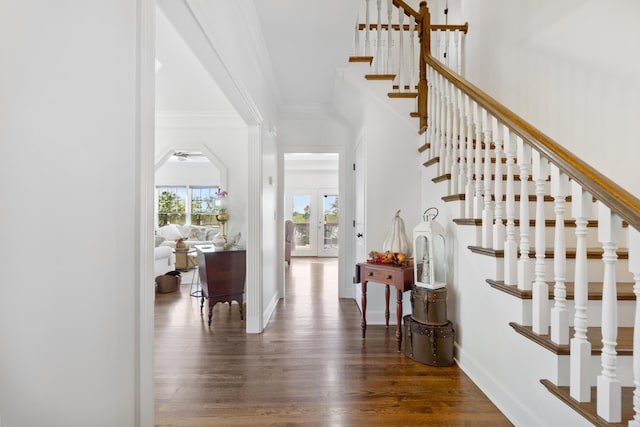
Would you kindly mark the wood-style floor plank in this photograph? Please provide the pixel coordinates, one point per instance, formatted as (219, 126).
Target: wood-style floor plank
(309, 367)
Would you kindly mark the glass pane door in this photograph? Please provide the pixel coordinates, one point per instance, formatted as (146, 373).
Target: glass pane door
(302, 210)
(328, 245)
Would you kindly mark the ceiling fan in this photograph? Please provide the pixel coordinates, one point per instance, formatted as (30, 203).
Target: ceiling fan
(185, 155)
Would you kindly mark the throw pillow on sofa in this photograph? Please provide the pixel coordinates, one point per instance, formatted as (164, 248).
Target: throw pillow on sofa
(170, 232)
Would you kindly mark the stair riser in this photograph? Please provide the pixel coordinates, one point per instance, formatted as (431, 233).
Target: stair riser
(624, 370)
(626, 312)
(594, 270)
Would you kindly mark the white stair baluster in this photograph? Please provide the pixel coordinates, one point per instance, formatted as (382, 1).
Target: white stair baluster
(445, 56)
(378, 58)
(487, 210)
(367, 22)
(455, 139)
(442, 115)
(540, 288)
(525, 266)
(477, 199)
(462, 149)
(435, 51)
(498, 226)
(388, 64)
(510, 244)
(411, 75)
(448, 159)
(634, 268)
(580, 359)
(430, 113)
(559, 314)
(356, 41)
(469, 184)
(609, 405)
(458, 51)
(401, 71)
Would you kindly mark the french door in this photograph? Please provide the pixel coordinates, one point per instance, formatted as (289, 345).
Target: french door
(314, 213)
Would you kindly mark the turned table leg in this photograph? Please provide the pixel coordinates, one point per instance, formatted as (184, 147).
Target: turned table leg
(399, 319)
(364, 308)
(386, 302)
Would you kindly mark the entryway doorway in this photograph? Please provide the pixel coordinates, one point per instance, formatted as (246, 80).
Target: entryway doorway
(312, 202)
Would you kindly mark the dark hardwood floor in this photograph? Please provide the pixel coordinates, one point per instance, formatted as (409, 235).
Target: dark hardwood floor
(309, 367)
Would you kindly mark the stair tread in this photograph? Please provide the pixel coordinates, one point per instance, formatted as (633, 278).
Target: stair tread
(592, 253)
(424, 147)
(402, 94)
(368, 59)
(493, 177)
(624, 290)
(379, 76)
(532, 198)
(589, 409)
(624, 339)
(532, 222)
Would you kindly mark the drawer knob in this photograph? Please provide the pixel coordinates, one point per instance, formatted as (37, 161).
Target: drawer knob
(389, 276)
(370, 273)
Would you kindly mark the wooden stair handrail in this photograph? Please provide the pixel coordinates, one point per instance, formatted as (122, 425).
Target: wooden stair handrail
(622, 202)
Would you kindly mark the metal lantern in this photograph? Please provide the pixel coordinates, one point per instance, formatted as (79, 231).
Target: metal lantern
(429, 268)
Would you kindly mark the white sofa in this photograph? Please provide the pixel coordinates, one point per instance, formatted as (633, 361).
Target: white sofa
(164, 260)
(191, 234)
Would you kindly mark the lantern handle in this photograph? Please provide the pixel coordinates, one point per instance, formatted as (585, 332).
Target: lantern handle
(430, 215)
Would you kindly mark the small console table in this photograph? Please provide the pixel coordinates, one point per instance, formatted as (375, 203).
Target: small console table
(401, 277)
(222, 275)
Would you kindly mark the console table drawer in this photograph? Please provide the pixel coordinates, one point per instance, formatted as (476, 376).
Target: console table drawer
(382, 276)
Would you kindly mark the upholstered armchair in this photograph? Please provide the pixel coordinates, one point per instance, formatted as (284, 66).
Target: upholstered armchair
(288, 240)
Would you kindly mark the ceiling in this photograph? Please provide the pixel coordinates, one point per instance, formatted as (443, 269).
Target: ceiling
(304, 54)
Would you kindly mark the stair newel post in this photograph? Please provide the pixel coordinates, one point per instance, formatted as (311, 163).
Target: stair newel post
(378, 58)
(462, 141)
(487, 211)
(498, 226)
(540, 288)
(468, 194)
(389, 36)
(525, 267)
(609, 387)
(455, 140)
(424, 33)
(559, 314)
(634, 268)
(477, 199)
(401, 71)
(367, 22)
(580, 358)
(510, 244)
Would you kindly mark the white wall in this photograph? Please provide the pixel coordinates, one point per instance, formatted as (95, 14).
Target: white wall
(70, 141)
(226, 141)
(392, 183)
(188, 173)
(568, 68)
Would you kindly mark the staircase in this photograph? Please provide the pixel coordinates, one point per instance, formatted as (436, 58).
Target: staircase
(545, 250)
